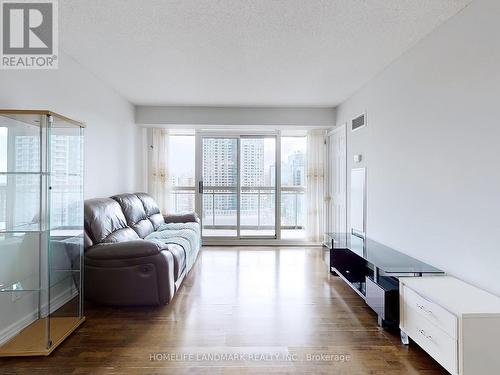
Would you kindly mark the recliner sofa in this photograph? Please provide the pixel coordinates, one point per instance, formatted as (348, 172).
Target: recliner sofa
(134, 255)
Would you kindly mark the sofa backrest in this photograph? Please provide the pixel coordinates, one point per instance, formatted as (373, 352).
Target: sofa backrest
(135, 214)
(105, 222)
(152, 210)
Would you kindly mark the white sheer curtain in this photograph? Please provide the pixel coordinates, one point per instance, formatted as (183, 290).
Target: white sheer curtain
(159, 181)
(315, 195)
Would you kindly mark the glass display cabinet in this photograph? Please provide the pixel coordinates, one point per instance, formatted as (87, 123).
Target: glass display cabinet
(41, 230)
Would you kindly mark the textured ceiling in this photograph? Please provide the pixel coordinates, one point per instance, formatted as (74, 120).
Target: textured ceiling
(247, 52)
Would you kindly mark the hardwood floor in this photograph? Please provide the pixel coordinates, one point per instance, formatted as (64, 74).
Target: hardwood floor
(241, 310)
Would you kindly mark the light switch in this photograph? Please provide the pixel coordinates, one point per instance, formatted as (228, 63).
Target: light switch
(358, 158)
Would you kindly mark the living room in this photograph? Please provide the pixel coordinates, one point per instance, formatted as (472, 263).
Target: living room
(249, 187)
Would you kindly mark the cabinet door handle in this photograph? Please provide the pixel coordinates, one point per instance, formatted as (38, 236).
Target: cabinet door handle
(422, 332)
(422, 307)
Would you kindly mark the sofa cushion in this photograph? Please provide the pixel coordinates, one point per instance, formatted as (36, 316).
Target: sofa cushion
(187, 217)
(179, 259)
(152, 210)
(134, 212)
(188, 231)
(181, 234)
(105, 222)
(126, 250)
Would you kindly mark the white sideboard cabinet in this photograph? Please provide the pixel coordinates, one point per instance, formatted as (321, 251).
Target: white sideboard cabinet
(455, 323)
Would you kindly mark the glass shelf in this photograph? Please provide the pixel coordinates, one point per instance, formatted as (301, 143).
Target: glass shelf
(21, 230)
(39, 173)
(56, 233)
(31, 284)
(19, 173)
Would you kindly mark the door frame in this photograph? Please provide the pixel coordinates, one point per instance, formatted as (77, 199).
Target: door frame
(238, 239)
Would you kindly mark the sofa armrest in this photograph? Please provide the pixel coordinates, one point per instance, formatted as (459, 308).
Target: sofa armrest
(190, 217)
(125, 250)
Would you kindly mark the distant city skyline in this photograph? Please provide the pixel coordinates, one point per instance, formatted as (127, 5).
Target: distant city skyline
(182, 171)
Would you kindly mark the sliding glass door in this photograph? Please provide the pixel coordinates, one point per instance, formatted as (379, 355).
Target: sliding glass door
(219, 186)
(237, 186)
(258, 187)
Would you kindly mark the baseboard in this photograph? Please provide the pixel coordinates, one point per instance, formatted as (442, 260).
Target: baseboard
(257, 243)
(57, 302)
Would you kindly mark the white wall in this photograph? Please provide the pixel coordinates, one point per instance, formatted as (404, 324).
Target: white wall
(111, 137)
(235, 116)
(431, 147)
(112, 158)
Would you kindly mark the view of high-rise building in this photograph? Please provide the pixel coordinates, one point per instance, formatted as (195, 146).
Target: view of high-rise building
(21, 153)
(293, 186)
(257, 195)
(66, 169)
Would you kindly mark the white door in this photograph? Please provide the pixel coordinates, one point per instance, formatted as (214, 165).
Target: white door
(337, 181)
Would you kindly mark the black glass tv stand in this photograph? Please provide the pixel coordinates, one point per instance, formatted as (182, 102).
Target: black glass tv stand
(372, 270)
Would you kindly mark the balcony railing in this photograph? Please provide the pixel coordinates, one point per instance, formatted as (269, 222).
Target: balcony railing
(257, 211)
(182, 198)
(3, 206)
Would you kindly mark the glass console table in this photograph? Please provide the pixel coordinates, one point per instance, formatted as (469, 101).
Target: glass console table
(372, 270)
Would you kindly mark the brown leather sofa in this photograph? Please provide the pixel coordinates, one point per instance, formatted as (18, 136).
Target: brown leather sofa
(122, 266)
